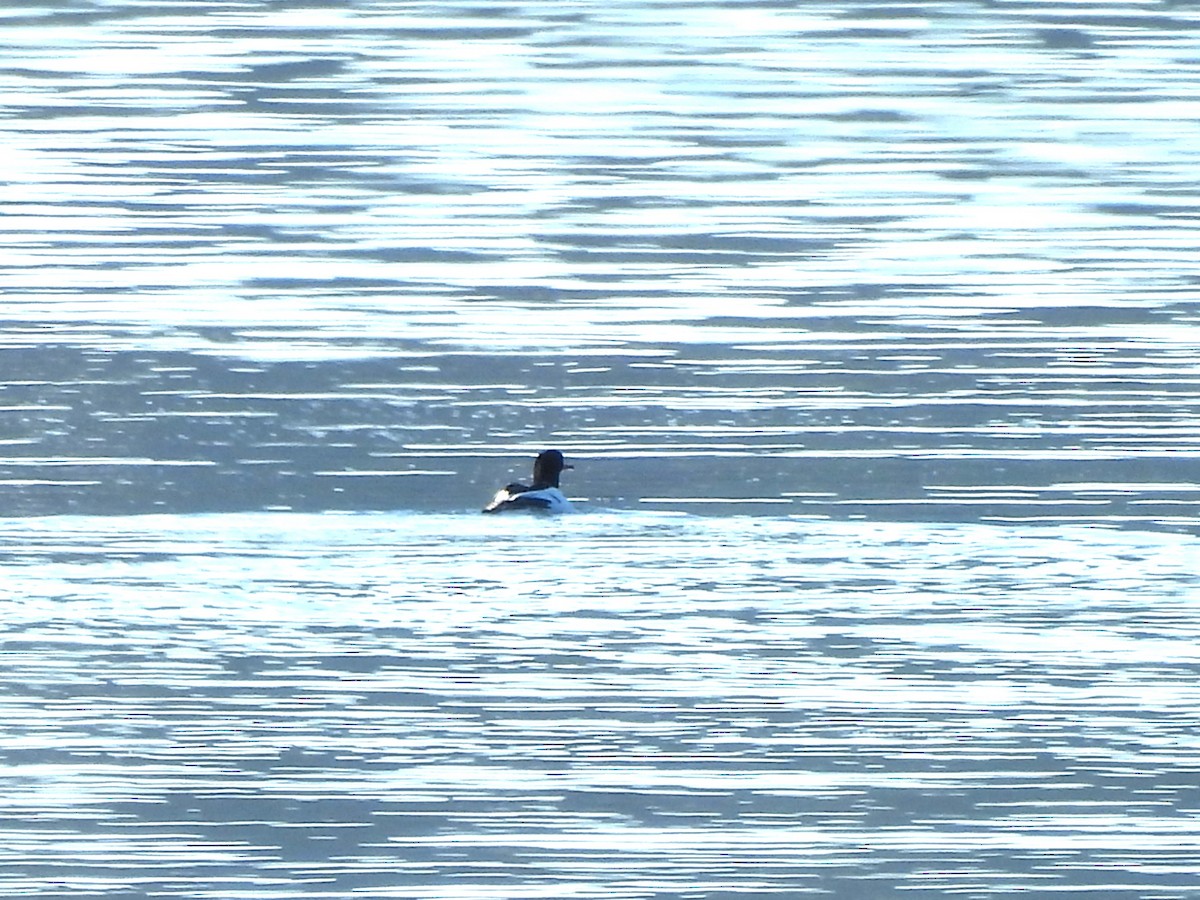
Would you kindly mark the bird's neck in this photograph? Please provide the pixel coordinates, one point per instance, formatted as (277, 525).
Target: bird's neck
(543, 479)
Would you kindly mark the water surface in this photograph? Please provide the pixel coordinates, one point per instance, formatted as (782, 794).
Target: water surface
(623, 704)
(929, 262)
(870, 328)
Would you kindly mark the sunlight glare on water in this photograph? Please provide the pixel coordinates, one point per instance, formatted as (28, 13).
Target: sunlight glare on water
(869, 329)
(395, 704)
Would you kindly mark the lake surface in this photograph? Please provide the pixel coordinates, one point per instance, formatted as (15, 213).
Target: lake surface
(628, 705)
(871, 330)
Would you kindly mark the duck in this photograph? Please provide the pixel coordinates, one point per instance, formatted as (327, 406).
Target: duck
(542, 496)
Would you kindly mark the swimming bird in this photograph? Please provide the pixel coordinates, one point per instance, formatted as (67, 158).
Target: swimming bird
(541, 496)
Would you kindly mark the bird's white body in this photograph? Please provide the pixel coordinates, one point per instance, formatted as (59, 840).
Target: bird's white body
(550, 500)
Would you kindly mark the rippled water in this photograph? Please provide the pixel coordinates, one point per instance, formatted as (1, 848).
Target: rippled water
(930, 262)
(871, 329)
(622, 705)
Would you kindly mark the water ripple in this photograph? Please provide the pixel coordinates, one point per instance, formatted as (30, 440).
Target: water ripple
(381, 703)
(854, 284)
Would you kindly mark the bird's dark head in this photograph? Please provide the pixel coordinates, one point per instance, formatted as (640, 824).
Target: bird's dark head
(547, 468)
